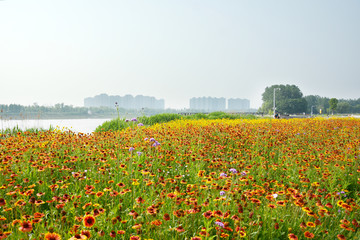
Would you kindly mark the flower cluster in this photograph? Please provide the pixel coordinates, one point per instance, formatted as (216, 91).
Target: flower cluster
(208, 179)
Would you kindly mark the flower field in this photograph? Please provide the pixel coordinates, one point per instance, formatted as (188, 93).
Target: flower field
(187, 179)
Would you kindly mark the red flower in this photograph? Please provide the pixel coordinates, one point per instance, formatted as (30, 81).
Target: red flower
(341, 237)
(113, 234)
(26, 226)
(309, 234)
(89, 221)
(52, 236)
(166, 217)
(292, 236)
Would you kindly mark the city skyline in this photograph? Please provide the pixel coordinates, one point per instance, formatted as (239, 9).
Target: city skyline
(129, 101)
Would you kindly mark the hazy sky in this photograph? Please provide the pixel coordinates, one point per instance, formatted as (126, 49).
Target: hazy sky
(64, 51)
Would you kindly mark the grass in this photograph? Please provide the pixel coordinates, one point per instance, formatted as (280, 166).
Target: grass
(120, 124)
(185, 179)
(16, 130)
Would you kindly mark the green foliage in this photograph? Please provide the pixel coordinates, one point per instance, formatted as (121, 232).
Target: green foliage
(16, 130)
(343, 107)
(120, 124)
(333, 104)
(159, 118)
(288, 99)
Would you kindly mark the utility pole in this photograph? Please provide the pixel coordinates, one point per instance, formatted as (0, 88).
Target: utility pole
(274, 101)
(312, 110)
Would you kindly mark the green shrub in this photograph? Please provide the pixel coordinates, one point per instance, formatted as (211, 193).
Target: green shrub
(160, 118)
(120, 124)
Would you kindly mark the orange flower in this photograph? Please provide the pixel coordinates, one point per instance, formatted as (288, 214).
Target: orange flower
(52, 236)
(137, 226)
(217, 213)
(242, 234)
(3, 235)
(156, 222)
(120, 232)
(86, 233)
(329, 205)
(166, 217)
(341, 237)
(310, 224)
(135, 238)
(347, 207)
(89, 221)
(355, 223)
(272, 206)
(180, 229)
(78, 236)
(113, 234)
(99, 194)
(308, 235)
(26, 226)
(140, 200)
(208, 214)
(292, 236)
(171, 195)
(38, 215)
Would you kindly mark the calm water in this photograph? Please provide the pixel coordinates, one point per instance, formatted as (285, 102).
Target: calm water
(75, 125)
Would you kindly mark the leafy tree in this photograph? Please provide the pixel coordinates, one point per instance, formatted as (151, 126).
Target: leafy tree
(312, 102)
(343, 107)
(333, 104)
(288, 99)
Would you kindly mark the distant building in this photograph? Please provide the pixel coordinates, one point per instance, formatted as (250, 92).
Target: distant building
(238, 104)
(126, 102)
(208, 104)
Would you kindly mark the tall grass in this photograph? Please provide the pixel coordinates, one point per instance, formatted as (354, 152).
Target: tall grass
(120, 124)
(16, 130)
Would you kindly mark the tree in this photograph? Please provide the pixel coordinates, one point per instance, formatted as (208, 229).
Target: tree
(343, 107)
(333, 104)
(288, 99)
(312, 102)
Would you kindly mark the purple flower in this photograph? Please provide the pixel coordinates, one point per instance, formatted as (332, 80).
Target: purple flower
(131, 149)
(222, 193)
(152, 139)
(134, 120)
(223, 174)
(145, 139)
(127, 120)
(243, 173)
(139, 153)
(233, 170)
(156, 143)
(140, 125)
(219, 224)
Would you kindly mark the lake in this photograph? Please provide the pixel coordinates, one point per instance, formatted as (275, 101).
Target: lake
(75, 125)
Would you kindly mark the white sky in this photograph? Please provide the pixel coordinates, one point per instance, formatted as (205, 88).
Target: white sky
(65, 51)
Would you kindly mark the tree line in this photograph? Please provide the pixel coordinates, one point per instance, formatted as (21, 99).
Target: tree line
(290, 100)
(60, 110)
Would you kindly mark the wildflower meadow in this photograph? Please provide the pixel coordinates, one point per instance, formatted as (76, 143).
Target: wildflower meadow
(185, 179)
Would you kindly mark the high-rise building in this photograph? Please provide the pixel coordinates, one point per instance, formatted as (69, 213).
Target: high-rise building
(238, 104)
(208, 104)
(126, 102)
